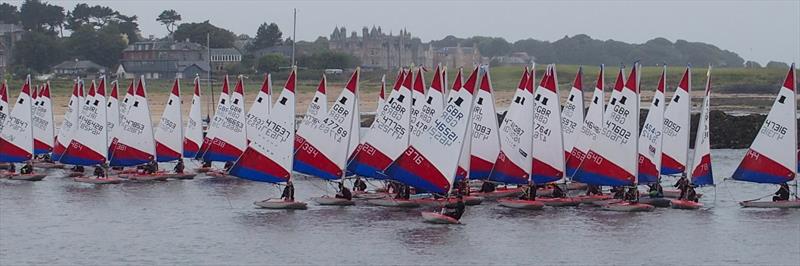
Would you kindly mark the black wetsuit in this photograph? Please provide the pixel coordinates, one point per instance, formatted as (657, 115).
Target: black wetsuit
(782, 194)
(691, 194)
(179, 168)
(344, 194)
(632, 195)
(619, 193)
(593, 190)
(682, 185)
(458, 211)
(558, 192)
(288, 193)
(98, 172)
(656, 191)
(529, 193)
(26, 169)
(359, 185)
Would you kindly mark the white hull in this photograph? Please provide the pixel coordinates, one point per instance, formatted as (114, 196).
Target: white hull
(279, 204)
(521, 204)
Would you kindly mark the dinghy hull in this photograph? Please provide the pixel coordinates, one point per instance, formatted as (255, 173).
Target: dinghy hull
(438, 218)
(203, 170)
(368, 195)
(148, 178)
(331, 201)
(628, 207)
(586, 199)
(97, 181)
(498, 194)
(394, 203)
(278, 204)
(28, 177)
(674, 193)
(771, 204)
(560, 202)
(521, 204)
(656, 202)
(183, 176)
(686, 205)
(601, 203)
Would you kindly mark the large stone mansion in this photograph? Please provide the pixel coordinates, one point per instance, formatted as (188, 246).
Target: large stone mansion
(376, 49)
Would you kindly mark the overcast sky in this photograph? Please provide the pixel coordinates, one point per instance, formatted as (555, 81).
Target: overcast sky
(756, 30)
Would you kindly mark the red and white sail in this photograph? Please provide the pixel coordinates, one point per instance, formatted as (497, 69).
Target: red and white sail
(676, 128)
(231, 137)
(701, 174)
(431, 166)
(135, 144)
(17, 136)
(513, 165)
(193, 134)
(464, 158)
(44, 128)
(651, 136)
(428, 109)
(218, 119)
(260, 109)
(590, 127)
(389, 134)
(3, 104)
(88, 146)
(270, 154)
(325, 152)
(317, 109)
(613, 157)
(572, 114)
(771, 158)
(169, 133)
(112, 112)
(68, 124)
(548, 142)
(485, 146)
(417, 100)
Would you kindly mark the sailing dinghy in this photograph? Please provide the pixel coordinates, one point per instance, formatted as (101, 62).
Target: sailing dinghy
(270, 154)
(68, 127)
(169, 133)
(514, 163)
(17, 135)
(135, 144)
(230, 138)
(259, 110)
(485, 142)
(217, 120)
(193, 133)
(325, 151)
(771, 158)
(317, 109)
(650, 142)
(43, 129)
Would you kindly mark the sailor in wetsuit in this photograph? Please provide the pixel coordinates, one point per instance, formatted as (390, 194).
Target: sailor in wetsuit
(691, 194)
(558, 192)
(99, 172)
(151, 167)
(782, 193)
(682, 185)
(656, 191)
(632, 195)
(288, 192)
(344, 192)
(619, 192)
(458, 210)
(228, 166)
(593, 190)
(359, 185)
(179, 167)
(26, 169)
(529, 193)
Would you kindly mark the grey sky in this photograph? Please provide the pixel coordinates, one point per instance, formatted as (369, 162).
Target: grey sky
(756, 30)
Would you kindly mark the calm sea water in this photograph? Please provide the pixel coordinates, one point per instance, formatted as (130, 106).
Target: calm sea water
(205, 222)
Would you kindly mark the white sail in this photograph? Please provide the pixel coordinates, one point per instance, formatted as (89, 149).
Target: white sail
(651, 136)
(676, 128)
(17, 136)
(169, 133)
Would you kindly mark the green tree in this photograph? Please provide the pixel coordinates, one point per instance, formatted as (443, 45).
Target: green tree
(41, 17)
(775, 64)
(169, 18)
(102, 46)
(9, 13)
(128, 26)
(38, 51)
(196, 32)
(95, 16)
(271, 63)
(268, 35)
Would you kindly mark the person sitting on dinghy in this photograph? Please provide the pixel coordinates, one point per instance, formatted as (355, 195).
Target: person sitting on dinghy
(99, 172)
(488, 187)
(691, 194)
(619, 192)
(558, 192)
(458, 211)
(77, 169)
(359, 185)
(529, 193)
(682, 185)
(228, 166)
(151, 167)
(593, 190)
(656, 191)
(26, 169)
(179, 167)
(344, 192)
(632, 195)
(782, 194)
(288, 191)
